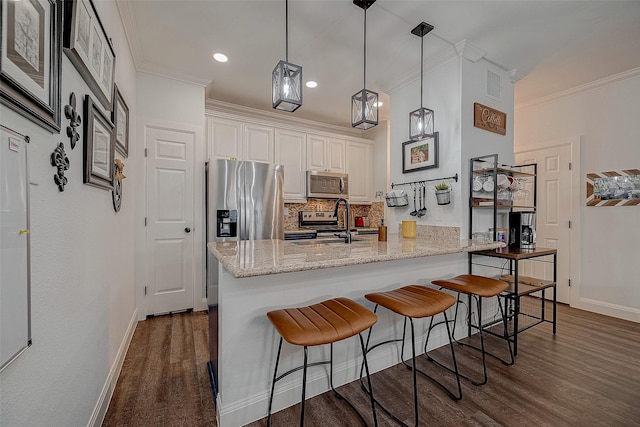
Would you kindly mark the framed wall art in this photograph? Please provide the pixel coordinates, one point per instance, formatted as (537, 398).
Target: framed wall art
(30, 60)
(98, 147)
(420, 155)
(120, 118)
(614, 188)
(89, 48)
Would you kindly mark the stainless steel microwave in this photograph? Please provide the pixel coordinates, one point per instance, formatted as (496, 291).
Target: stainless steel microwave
(327, 185)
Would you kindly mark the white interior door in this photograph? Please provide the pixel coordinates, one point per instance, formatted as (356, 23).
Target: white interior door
(170, 218)
(553, 213)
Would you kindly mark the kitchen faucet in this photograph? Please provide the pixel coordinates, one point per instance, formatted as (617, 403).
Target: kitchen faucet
(347, 218)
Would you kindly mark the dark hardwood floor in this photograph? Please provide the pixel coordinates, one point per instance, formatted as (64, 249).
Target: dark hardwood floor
(587, 375)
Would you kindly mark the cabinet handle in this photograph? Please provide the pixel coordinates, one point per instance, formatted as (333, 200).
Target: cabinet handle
(21, 232)
(187, 230)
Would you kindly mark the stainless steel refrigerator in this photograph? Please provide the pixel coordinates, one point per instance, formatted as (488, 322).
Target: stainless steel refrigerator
(244, 201)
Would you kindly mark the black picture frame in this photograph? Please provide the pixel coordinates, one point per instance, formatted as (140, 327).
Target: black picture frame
(120, 118)
(30, 77)
(99, 149)
(89, 48)
(420, 155)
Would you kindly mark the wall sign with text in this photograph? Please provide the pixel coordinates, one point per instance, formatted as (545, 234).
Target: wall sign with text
(489, 119)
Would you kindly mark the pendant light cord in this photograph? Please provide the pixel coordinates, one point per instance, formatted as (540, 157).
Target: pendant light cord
(421, 72)
(364, 78)
(286, 31)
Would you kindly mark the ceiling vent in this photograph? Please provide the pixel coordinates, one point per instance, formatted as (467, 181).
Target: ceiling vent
(493, 85)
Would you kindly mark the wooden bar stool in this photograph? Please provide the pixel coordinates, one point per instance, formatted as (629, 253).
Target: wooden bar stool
(324, 323)
(414, 302)
(477, 287)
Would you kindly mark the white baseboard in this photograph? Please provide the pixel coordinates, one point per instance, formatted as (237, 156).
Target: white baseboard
(100, 410)
(608, 309)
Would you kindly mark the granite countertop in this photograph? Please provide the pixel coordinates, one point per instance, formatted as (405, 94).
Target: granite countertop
(261, 257)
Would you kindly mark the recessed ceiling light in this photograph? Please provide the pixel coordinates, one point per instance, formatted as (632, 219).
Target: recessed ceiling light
(220, 57)
(378, 104)
(311, 84)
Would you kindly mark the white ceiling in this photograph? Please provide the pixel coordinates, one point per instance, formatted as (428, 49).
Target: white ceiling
(548, 46)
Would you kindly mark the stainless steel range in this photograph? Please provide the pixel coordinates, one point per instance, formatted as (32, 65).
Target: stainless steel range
(324, 222)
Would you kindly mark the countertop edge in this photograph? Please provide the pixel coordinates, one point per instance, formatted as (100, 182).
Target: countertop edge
(230, 262)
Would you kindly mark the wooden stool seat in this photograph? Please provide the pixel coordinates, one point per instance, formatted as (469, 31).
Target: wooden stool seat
(413, 301)
(324, 323)
(477, 287)
(471, 284)
(416, 302)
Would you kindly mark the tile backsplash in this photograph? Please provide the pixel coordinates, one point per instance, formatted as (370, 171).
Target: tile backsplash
(375, 211)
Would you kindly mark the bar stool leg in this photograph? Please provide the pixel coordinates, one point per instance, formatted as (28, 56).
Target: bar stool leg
(273, 384)
(304, 384)
(366, 367)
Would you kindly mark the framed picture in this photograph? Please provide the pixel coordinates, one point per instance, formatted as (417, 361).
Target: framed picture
(419, 155)
(98, 147)
(614, 188)
(30, 60)
(89, 48)
(120, 118)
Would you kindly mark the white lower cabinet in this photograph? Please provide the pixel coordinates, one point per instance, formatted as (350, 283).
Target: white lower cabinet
(291, 151)
(359, 161)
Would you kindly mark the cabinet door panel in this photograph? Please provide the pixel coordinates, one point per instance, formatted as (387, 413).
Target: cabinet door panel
(359, 170)
(291, 151)
(336, 153)
(258, 143)
(316, 152)
(224, 139)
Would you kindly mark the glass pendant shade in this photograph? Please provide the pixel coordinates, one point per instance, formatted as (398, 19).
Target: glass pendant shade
(420, 124)
(286, 86)
(364, 109)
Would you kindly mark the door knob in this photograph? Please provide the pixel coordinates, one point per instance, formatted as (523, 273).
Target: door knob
(187, 230)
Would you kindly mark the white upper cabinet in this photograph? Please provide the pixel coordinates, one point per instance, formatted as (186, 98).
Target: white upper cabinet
(258, 143)
(326, 154)
(336, 155)
(233, 139)
(224, 139)
(291, 151)
(359, 161)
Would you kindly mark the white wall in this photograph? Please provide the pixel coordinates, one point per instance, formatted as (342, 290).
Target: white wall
(177, 105)
(605, 114)
(479, 142)
(450, 89)
(82, 270)
(442, 88)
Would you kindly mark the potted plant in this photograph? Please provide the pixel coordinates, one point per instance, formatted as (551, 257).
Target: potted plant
(443, 193)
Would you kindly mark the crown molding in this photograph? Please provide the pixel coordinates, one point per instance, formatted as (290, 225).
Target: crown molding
(596, 84)
(414, 73)
(232, 111)
(128, 22)
(468, 51)
(515, 75)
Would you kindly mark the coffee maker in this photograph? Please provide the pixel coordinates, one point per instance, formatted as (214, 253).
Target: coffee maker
(522, 230)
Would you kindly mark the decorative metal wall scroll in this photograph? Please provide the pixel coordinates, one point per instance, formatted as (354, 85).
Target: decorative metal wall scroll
(118, 176)
(75, 120)
(614, 188)
(60, 160)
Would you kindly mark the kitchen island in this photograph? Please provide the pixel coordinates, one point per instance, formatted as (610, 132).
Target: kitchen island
(263, 275)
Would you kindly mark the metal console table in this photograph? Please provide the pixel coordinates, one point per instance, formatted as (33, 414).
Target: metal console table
(518, 288)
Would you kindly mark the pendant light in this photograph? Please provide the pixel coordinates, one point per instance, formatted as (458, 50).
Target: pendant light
(364, 104)
(421, 121)
(286, 79)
